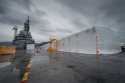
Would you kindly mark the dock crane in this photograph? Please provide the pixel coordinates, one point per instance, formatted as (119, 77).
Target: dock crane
(15, 28)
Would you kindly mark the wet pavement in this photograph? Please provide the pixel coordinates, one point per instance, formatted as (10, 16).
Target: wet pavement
(12, 66)
(63, 67)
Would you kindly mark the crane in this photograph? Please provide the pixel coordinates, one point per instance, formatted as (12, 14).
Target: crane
(15, 28)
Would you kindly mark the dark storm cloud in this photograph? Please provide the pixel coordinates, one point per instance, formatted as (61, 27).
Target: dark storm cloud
(2, 7)
(5, 5)
(15, 12)
(61, 17)
(86, 7)
(99, 10)
(11, 10)
(79, 24)
(114, 9)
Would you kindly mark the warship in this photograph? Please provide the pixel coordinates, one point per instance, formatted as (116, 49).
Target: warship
(24, 37)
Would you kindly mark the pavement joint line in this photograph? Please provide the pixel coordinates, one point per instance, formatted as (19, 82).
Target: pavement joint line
(25, 76)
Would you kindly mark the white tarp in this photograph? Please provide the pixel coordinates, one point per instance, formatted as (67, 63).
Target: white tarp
(85, 41)
(109, 41)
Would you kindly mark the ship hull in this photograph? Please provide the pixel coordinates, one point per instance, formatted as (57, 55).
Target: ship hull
(7, 50)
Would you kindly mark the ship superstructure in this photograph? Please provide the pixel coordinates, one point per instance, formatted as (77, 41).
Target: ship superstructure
(24, 37)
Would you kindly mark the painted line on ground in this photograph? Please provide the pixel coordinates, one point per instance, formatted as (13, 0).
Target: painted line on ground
(25, 76)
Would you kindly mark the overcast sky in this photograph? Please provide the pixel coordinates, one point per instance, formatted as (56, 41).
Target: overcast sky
(60, 18)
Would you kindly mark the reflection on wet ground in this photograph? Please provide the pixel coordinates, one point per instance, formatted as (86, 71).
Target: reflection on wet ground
(12, 66)
(63, 67)
(6, 58)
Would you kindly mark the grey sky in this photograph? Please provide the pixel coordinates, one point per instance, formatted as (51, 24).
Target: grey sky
(60, 18)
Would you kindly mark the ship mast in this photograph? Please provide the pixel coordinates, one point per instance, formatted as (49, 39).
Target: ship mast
(26, 25)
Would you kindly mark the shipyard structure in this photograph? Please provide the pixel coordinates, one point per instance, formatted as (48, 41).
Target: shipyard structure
(24, 37)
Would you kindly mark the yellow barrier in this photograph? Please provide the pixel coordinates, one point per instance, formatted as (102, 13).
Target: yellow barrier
(7, 49)
(51, 49)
